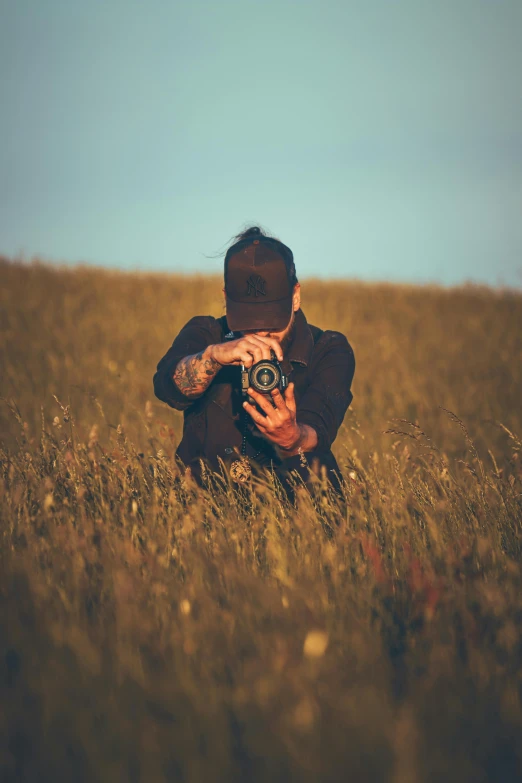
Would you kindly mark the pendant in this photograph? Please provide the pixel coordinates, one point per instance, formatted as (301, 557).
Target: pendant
(240, 470)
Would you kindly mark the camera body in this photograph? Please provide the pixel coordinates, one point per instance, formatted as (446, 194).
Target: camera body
(264, 376)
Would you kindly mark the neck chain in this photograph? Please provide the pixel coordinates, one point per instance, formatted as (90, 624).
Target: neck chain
(240, 469)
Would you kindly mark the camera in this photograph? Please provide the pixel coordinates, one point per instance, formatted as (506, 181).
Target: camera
(264, 376)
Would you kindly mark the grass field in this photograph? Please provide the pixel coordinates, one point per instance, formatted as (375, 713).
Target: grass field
(153, 632)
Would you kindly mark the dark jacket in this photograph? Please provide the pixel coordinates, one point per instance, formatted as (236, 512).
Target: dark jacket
(320, 363)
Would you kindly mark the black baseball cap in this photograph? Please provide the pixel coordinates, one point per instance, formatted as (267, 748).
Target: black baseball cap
(258, 284)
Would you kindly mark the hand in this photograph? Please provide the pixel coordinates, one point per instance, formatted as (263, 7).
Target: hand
(278, 425)
(246, 350)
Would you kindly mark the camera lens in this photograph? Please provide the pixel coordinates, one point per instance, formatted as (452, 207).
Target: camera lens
(265, 377)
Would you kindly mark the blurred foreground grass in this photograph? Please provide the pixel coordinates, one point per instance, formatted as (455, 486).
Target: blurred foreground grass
(154, 632)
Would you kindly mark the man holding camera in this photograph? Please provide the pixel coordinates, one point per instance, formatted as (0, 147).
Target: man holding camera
(259, 387)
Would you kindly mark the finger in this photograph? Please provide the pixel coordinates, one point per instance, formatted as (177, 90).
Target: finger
(245, 352)
(273, 344)
(252, 356)
(278, 399)
(290, 397)
(262, 400)
(259, 419)
(248, 348)
(246, 359)
(255, 348)
(261, 346)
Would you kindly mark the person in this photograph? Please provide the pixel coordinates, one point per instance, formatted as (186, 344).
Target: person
(289, 429)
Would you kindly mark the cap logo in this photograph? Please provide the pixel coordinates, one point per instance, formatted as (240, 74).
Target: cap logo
(256, 286)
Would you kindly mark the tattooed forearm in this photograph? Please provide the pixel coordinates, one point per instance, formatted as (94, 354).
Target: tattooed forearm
(193, 374)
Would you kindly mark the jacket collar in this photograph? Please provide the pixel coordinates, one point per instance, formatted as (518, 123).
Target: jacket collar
(301, 347)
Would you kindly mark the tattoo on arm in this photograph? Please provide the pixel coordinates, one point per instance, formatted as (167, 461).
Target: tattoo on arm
(193, 374)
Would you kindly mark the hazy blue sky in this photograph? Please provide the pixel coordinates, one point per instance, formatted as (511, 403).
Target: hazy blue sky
(380, 140)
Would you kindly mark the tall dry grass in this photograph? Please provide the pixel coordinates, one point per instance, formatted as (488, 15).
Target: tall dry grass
(151, 631)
